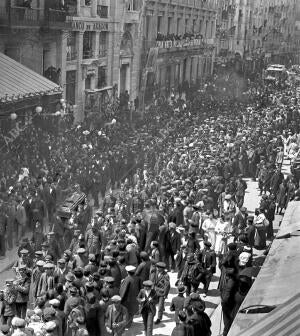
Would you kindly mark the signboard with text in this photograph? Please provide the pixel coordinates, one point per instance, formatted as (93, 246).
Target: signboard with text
(183, 43)
(89, 26)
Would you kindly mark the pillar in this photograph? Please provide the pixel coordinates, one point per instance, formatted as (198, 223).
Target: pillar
(94, 8)
(188, 70)
(181, 74)
(128, 75)
(79, 90)
(61, 58)
(96, 43)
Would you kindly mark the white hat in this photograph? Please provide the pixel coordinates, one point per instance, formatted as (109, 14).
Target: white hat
(130, 268)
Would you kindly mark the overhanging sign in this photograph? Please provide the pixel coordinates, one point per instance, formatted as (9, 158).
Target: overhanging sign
(89, 26)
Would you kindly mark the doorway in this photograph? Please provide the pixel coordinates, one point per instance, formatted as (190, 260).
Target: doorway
(125, 78)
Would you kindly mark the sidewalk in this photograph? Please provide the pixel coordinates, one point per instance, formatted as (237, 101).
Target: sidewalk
(252, 199)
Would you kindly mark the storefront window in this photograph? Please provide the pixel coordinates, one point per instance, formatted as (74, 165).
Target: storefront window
(70, 86)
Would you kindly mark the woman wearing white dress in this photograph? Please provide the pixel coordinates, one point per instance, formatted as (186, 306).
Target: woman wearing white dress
(223, 229)
(208, 227)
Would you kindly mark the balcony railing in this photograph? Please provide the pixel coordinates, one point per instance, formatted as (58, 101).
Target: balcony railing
(88, 54)
(23, 16)
(103, 52)
(71, 55)
(33, 17)
(102, 11)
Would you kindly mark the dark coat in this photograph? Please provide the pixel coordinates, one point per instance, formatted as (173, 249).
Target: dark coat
(175, 241)
(93, 319)
(143, 270)
(148, 303)
(209, 260)
(129, 291)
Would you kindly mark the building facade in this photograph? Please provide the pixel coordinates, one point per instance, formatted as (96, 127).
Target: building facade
(178, 43)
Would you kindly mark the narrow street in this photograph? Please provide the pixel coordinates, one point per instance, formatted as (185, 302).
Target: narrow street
(212, 300)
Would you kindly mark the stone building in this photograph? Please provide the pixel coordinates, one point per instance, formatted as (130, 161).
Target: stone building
(178, 43)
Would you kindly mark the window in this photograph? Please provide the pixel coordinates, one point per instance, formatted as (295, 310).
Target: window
(88, 82)
(169, 25)
(178, 28)
(103, 44)
(102, 77)
(132, 5)
(87, 45)
(70, 86)
(186, 25)
(102, 11)
(88, 2)
(159, 24)
(71, 46)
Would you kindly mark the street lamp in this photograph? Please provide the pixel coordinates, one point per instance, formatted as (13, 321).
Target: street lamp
(13, 116)
(38, 109)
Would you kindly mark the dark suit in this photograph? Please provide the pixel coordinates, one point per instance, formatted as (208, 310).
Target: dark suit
(148, 309)
(175, 242)
(143, 270)
(129, 291)
(209, 262)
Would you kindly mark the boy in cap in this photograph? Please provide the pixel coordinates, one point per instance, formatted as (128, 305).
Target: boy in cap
(178, 302)
(148, 300)
(161, 281)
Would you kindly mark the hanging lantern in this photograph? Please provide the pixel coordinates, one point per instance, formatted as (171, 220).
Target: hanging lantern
(13, 116)
(62, 101)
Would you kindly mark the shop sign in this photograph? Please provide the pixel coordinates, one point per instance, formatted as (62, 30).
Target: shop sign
(89, 26)
(182, 43)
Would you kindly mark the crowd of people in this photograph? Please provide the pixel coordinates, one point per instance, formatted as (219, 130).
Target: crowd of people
(173, 201)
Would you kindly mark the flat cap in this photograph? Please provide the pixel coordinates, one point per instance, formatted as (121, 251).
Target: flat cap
(116, 298)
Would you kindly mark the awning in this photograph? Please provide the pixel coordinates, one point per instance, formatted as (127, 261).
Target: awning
(18, 82)
(283, 321)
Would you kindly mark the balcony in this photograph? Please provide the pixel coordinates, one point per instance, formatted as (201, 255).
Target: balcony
(103, 52)
(88, 54)
(71, 55)
(102, 11)
(33, 17)
(24, 17)
(57, 19)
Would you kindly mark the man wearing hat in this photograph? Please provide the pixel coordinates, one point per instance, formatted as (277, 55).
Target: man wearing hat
(22, 286)
(93, 240)
(161, 281)
(177, 302)
(175, 242)
(60, 271)
(148, 300)
(35, 278)
(239, 221)
(129, 290)
(209, 262)
(109, 284)
(47, 280)
(116, 317)
(8, 309)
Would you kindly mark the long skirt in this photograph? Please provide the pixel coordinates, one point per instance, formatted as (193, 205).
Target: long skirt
(260, 238)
